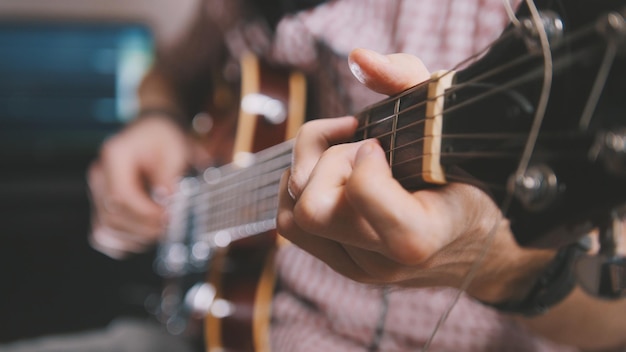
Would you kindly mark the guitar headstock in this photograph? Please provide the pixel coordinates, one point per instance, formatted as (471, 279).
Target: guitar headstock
(574, 175)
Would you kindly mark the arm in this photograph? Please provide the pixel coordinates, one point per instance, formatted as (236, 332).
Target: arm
(360, 221)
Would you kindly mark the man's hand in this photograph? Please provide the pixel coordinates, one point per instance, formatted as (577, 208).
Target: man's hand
(136, 168)
(341, 203)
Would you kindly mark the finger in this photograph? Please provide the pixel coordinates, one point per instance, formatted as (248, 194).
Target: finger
(322, 208)
(312, 140)
(411, 227)
(164, 172)
(330, 252)
(390, 74)
(127, 197)
(106, 215)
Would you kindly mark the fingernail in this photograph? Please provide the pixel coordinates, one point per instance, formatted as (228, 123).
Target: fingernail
(356, 70)
(364, 152)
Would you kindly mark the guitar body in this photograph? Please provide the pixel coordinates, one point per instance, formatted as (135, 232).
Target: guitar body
(243, 272)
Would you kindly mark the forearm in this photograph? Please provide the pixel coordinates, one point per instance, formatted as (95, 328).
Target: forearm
(583, 321)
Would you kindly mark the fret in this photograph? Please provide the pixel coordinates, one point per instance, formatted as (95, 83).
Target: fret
(379, 122)
(394, 130)
(398, 124)
(364, 118)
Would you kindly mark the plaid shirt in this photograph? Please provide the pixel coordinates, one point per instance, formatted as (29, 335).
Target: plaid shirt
(317, 309)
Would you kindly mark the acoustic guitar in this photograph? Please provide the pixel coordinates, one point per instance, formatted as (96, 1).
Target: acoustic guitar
(541, 131)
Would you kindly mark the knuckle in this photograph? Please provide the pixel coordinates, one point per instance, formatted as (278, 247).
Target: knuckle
(307, 213)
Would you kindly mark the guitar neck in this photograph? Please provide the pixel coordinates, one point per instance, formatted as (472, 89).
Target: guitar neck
(236, 201)
(240, 199)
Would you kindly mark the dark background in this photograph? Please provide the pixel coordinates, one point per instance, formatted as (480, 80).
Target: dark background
(60, 85)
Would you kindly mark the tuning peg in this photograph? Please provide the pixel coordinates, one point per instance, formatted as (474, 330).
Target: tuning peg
(536, 188)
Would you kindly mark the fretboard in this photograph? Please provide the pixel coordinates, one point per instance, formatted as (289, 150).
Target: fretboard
(236, 201)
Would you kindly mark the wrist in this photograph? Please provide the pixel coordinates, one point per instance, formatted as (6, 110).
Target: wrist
(539, 290)
(513, 280)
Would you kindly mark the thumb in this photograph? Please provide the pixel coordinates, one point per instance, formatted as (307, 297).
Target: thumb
(164, 172)
(387, 74)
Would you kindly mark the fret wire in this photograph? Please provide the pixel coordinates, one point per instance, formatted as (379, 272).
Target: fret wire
(260, 187)
(267, 155)
(394, 128)
(239, 180)
(368, 121)
(385, 119)
(224, 197)
(248, 176)
(260, 191)
(265, 207)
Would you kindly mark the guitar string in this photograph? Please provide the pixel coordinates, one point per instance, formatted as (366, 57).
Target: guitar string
(598, 85)
(457, 155)
(487, 74)
(414, 107)
(259, 183)
(449, 91)
(408, 126)
(248, 196)
(244, 186)
(257, 200)
(522, 167)
(482, 136)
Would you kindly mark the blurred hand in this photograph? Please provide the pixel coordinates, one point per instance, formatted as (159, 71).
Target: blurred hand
(136, 168)
(340, 203)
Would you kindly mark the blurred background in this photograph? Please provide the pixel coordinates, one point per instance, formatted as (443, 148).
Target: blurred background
(68, 71)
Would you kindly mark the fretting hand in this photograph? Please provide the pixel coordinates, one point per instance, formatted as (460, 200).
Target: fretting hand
(340, 203)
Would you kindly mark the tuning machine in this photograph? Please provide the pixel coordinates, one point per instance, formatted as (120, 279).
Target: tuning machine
(552, 25)
(536, 188)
